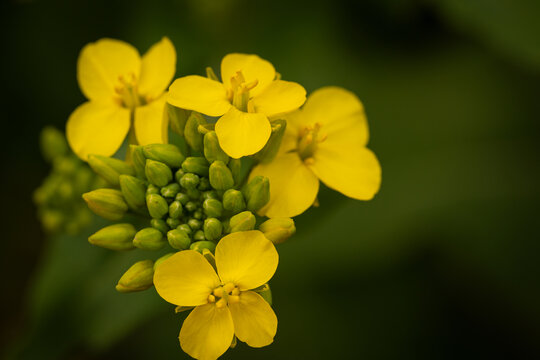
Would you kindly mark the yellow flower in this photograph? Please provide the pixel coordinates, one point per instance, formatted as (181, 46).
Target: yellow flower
(120, 86)
(225, 304)
(325, 140)
(248, 95)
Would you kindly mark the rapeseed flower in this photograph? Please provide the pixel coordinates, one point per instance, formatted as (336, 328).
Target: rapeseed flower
(122, 88)
(250, 93)
(225, 303)
(325, 140)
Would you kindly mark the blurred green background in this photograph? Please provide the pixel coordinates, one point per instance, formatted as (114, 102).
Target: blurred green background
(442, 264)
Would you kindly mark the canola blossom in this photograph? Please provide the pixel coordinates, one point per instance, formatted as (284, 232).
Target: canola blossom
(249, 94)
(325, 140)
(122, 89)
(224, 300)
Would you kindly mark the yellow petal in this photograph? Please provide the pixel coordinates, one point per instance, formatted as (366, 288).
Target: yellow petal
(97, 128)
(101, 64)
(200, 94)
(151, 124)
(255, 323)
(247, 259)
(207, 332)
(252, 68)
(338, 111)
(293, 187)
(158, 68)
(185, 279)
(279, 97)
(241, 133)
(353, 171)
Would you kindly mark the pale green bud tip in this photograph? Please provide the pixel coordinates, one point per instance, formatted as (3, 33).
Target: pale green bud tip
(109, 168)
(212, 150)
(196, 165)
(179, 239)
(220, 176)
(170, 190)
(212, 229)
(243, 221)
(107, 203)
(189, 181)
(53, 143)
(157, 206)
(137, 278)
(278, 230)
(114, 237)
(175, 209)
(257, 193)
(149, 239)
(213, 208)
(133, 190)
(160, 224)
(201, 245)
(158, 173)
(233, 201)
(166, 153)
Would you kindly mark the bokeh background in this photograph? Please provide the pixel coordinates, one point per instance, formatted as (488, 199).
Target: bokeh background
(442, 264)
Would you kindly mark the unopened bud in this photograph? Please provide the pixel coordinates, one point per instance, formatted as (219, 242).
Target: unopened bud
(210, 194)
(107, 203)
(139, 277)
(191, 132)
(186, 228)
(178, 175)
(173, 223)
(198, 214)
(157, 172)
(53, 143)
(189, 181)
(194, 224)
(177, 118)
(179, 239)
(114, 237)
(168, 154)
(183, 198)
(149, 239)
(138, 159)
(265, 292)
(160, 224)
(109, 168)
(170, 190)
(233, 201)
(199, 236)
(191, 206)
(152, 189)
(212, 150)
(239, 175)
(270, 150)
(277, 230)
(213, 208)
(175, 209)
(220, 176)
(212, 229)
(244, 221)
(157, 206)
(204, 184)
(193, 194)
(201, 245)
(257, 193)
(133, 190)
(162, 259)
(196, 164)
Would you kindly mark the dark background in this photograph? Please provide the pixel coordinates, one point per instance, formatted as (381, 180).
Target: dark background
(442, 264)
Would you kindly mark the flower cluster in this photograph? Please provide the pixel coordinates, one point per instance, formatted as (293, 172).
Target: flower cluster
(246, 153)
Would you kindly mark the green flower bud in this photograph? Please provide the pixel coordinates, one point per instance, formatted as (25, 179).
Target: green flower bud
(183, 198)
(186, 228)
(270, 150)
(114, 237)
(242, 222)
(200, 245)
(257, 193)
(175, 209)
(265, 292)
(168, 154)
(66, 165)
(138, 277)
(177, 118)
(109, 168)
(160, 224)
(152, 189)
(138, 159)
(199, 235)
(194, 224)
(162, 259)
(179, 239)
(191, 206)
(178, 175)
(213, 208)
(220, 176)
(196, 165)
(212, 229)
(149, 239)
(189, 181)
(170, 190)
(191, 132)
(107, 203)
(157, 206)
(198, 214)
(277, 230)
(173, 223)
(193, 194)
(233, 201)
(157, 173)
(226, 226)
(51, 220)
(235, 165)
(204, 184)
(212, 150)
(53, 143)
(211, 194)
(133, 190)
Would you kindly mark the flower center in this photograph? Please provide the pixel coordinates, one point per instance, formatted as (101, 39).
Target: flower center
(308, 140)
(239, 93)
(224, 295)
(127, 92)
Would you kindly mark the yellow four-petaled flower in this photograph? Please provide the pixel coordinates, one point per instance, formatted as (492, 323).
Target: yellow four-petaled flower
(225, 303)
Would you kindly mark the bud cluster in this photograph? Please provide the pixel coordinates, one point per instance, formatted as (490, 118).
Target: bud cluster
(58, 199)
(191, 198)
